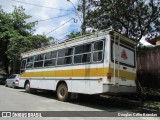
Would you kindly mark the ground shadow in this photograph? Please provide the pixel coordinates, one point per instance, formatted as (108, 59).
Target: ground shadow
(95, 103)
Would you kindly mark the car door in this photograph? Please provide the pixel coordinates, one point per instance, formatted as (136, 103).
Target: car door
(10, 80)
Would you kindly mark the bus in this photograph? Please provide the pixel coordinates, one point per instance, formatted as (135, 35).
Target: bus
(102, 62)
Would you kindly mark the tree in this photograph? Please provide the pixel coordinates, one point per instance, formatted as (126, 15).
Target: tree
(133, 18)
(77, 34)
(5, 31)
(73, 35)
(16, 36)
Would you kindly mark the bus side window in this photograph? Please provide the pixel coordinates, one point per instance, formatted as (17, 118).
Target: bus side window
(65, 56)
(39, 59)
(82, 54)
(23, 65)
(98, 51)
(29, 63)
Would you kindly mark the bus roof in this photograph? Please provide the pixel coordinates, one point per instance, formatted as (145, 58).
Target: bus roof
(80, 38)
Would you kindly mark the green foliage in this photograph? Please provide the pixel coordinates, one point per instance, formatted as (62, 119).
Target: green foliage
(133, 18)
(77, 34)
(16, 36)
(19, 23)
(74, 35)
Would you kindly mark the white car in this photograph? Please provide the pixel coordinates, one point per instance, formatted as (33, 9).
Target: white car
(12, 81)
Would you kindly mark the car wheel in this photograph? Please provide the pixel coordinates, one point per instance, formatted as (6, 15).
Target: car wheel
(6, 84)
(62, 92)
(13, 86)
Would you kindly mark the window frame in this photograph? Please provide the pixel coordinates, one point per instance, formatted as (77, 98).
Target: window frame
(49, 60)
(83, 45)
(55, 58)
(82, 54)
(72, 56)
(65, 57)
(64, 49)
(37, 55)
(98, 51)
(30, 62)
(39, 60)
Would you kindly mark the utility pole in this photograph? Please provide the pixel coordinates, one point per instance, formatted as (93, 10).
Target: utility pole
(84, 15)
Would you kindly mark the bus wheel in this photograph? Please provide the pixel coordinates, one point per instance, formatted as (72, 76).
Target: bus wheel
(27, 87)
(62, 92)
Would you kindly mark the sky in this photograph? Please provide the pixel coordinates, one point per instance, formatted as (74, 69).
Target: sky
(41, 13)
(62, 8)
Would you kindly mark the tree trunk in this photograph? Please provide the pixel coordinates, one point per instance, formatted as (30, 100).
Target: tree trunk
(6, 65)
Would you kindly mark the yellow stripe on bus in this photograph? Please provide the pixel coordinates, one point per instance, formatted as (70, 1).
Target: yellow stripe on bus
(123, 74)
(91, 72)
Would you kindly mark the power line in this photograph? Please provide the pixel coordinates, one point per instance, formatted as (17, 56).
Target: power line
(40, 5)
(75, 10)
(59, 26)
(52, 18)
(64, 33)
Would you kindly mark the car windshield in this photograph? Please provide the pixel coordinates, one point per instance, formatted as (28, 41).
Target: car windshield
(12, 76)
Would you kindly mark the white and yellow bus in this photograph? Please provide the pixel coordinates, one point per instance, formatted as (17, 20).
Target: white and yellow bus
(98, 63)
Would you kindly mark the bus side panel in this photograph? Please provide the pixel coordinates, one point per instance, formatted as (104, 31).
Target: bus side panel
(88, 79)
(35, 77)
(21, 82)
(34, 83)
(86, 86)
(48, 80)
(48, 84)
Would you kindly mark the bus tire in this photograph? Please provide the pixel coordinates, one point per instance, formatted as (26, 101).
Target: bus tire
(27, 87)
(62, 92)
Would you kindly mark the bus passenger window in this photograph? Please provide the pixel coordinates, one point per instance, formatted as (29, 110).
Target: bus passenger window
(65, 60)
(50, 62)
(30, 59)
(78, 58)
(23, 64)
(47, 55)
(39, 57)
(29, 63)
(65, 56)
(86, 58)
(38, 64)
(82, 58)
(83, 49)
(97, 56)
(98, 46)
(82, 53)
(54, 54)
(98, 51)
(65, 52)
